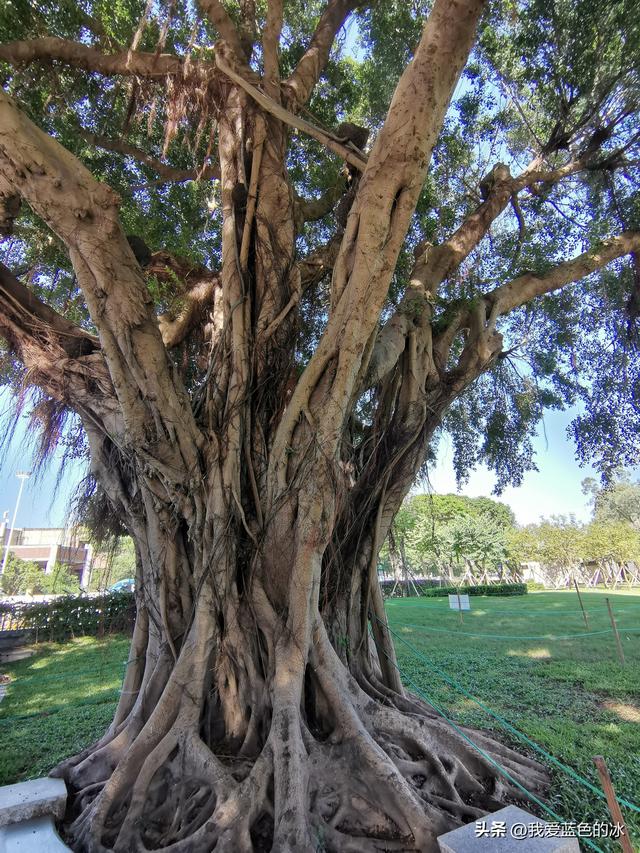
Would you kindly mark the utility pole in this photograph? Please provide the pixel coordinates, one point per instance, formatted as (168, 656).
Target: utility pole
(22, 476)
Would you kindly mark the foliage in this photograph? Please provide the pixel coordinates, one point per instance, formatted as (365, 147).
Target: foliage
(580, 80)
(450, 533)
(119, 563)
(561, 545)
(555, 542)
(445, 508)
(23, 577)
(564, 543)
(618, 500)
(614, 541)
(74, 616)
(62, 581)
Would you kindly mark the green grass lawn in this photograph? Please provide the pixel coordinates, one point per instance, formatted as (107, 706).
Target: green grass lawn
(571, 696)
(58, 702)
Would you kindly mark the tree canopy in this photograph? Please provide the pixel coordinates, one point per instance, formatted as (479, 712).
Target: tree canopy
(550, 90)
(257, 255)
(617, 501)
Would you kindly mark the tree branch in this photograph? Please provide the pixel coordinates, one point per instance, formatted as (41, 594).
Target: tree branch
(270, 47)
(126, 62)
(219, 17)
(84, 213)
(38, 317)
(199, 286)
(434, 263)
(319, 263)
(442, 260)
(302, 82)
(64, 360)
(174, 328)
(483, 341)
(526, 287)
(168, 173)
(267, 103)
(377, 226)
(312, 209)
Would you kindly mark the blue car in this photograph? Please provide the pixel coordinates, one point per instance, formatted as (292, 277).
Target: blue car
(125, 585)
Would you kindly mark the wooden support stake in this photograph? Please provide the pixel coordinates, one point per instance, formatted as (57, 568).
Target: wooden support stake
(615, 631)
(612, 801)
(584, 612)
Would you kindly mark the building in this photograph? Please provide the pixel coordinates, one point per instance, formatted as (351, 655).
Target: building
(47, 546)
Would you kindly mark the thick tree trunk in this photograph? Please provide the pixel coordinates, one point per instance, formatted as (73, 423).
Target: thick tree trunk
(257, 712)
(230, 734)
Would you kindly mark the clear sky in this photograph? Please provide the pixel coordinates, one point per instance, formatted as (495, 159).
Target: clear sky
(41, 505)
(554, 489)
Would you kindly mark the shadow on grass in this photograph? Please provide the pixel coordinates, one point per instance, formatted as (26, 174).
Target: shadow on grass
(58, 702)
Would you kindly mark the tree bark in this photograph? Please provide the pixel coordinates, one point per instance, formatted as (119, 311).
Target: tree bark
(263, 707)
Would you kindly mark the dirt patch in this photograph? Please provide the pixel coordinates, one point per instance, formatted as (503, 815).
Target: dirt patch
(625, 710)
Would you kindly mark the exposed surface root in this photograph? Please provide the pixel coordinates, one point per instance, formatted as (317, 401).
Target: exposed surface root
(371, 775)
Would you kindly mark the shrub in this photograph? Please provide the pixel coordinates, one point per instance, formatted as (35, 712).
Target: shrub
(21, 576)
(72, 616)
(531, 585)
(479, 589)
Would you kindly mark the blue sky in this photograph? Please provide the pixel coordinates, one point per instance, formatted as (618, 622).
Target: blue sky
(554, 489)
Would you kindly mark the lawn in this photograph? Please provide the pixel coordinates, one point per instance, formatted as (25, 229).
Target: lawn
(57, 702)
(571, 696)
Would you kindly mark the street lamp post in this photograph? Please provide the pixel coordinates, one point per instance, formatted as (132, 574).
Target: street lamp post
(22, 476)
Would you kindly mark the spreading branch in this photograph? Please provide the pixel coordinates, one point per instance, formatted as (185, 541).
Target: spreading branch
(480, 319)
(287, 117)
(433, 264)
(38, 317)
(126, 62)
(446, 257)
(166, 172)
(63, 359)
(526, 287)
(221, 20)
(319, 263)
(312, 209)
(84, 214)
(302, 82)
(195, 297)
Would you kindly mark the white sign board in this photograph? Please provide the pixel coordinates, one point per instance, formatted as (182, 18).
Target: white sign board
(459, 602)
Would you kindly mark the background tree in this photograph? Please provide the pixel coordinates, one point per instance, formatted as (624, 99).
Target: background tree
(451, 535)
(616, 501)
(23, 576)
(556, 543)
(612, 545)
(263, 270)
(115, 562)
